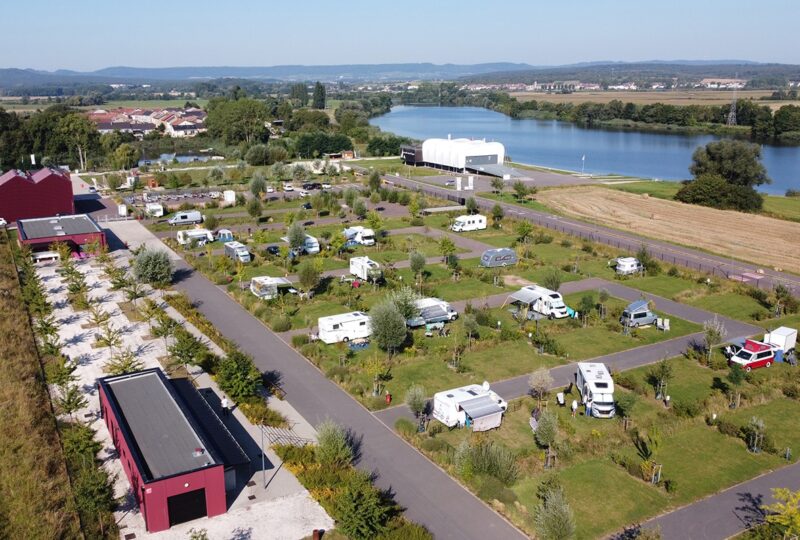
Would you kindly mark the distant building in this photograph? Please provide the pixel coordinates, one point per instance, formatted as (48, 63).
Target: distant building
(723, 84)
(178, 455)
(458, 155)
(76, 231)
(175, 122)
(47, 192)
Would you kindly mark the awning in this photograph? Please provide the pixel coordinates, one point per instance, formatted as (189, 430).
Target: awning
(480, 406)
(432, 312)
(526, 296)
(501, 171)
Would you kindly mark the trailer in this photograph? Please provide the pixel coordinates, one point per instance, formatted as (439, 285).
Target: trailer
(596, 387)
(465, 223)
(344, 327)
(200, 236)
(476, 406)
(366, 269)
(310, 244)
(625, 266)
(358, 235)
(534, 299)
(268, 287)
(154, 210)
(237, 251)
(500, 257)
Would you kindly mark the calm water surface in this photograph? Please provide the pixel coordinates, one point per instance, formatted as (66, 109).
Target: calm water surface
(562, 144)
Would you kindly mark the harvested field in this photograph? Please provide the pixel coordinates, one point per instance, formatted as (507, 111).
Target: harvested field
(765, 241)
(671, 97)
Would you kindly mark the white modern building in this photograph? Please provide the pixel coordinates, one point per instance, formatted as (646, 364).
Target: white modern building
(458, 155)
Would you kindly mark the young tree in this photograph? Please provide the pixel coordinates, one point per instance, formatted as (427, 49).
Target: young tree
(471, 328)
(553, 518)
(153, 267)
(109, 337)
(784, 514)
(603, 297)
(135, 291)
(185, 349)
(547, 430)
(417, 264)
(211, 223)
(123, 362)
(552, 279)
(736, 376)
(472, 205)
(309, 275)
(497, 215)
(375, 222)
(165, 328)
(97, 315)
(416, 399)
(498, 185)
(714, 333)
(363, 511)
(333, 446)
(318, 100)
(523, 230)
(238, 377)
(585, 307)
(389, 329)
(71, 400)
(296, 235)
(374, 181)
(624, 405)
(521, 190)
(150, 310)
(360, 209)
(540, 382)
(404, 300)
(255, 209)
(375, 367)
(660, 375)
(258, 185)
(446, 247)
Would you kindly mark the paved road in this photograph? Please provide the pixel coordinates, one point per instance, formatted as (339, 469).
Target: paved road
(669, 253)
(430, 496)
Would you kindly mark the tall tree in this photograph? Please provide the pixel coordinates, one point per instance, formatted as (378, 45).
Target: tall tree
(78, 132)
(318, 101)
(738, 162)
(299, 92)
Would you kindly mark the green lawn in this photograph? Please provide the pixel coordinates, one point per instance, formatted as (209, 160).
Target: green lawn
(394, 165)
(662, 285)
(731, 304)
(780, 418)
(691, 381)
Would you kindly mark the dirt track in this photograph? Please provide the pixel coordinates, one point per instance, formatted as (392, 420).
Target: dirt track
(768, 242)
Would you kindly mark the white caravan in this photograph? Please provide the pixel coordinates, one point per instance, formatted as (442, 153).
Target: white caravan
(469, 223)
(237, 251)
(310, 245)
(359, 235)
(596, 386)
(344, 327)
(625, 266)
(366, 269)
(474, 405)
(268, 287)
(201, 236)
(534, 298)
(154, 209)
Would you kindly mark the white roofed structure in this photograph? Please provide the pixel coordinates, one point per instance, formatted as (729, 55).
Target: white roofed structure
(462, 154)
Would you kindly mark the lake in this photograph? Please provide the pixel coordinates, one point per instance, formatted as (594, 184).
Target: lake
(561, 145)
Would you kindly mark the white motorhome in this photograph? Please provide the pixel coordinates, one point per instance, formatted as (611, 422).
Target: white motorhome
(435, 308)
(534, 298)
(154, 209)
(189, 217)
(474, 405)
(201, 236)
(268, 287)
(310, 245)
(237, 251)
(344, 327)
(366, 269)
(475, 222)
(596, 386)
(359, 235)
(625, 266)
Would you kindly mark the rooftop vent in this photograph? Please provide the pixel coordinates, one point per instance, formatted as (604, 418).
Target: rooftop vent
(198, 452)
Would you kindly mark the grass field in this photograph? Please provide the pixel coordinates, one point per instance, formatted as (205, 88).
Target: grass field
(17, 105)
(671, 97)
(394, 165)
(724, 232)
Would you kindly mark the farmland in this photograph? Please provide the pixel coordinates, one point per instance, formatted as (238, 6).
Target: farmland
(726, 232)
(668, 97)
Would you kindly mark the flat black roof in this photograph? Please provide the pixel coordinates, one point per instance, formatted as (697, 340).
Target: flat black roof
(163, 432)
(31, 229)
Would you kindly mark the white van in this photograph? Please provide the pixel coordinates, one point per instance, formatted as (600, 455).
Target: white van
(344, 327)
(237, 251)
(533, 298)
(596, 386)
(469, 223)
(189, 217)
(310, 246)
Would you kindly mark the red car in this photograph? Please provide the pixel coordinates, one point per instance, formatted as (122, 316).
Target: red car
(753, 355)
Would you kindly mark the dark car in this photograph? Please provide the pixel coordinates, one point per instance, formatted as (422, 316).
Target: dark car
(306, 206)
(308, 185)
(315, 185)
(273, 250)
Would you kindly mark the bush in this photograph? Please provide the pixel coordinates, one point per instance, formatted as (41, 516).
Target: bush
(153, 267)
(493, 489)
(257, 411)
(238, 377)
(687, 409)
(435, 445)
(333, 445)
(671, 485)
(281, 323)
(295, 455)
(487, 458)
(299, 340)
(727, 428)
(542, 238)
(400, 529)
(360, 510)
(405, 427)
(791, 390)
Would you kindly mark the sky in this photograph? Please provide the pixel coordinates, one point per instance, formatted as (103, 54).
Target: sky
(90, 34)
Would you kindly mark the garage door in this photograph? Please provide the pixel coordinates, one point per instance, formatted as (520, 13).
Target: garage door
(186, 506)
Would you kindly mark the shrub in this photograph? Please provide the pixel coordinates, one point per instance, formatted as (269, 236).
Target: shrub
(487, 458)
(405, 427)
(673, 271)
(280, 323)
(400, 529)
(238, 377)
(359, 509)
(257, 411)
(493, 489)
(295, 455)
(333, 445)
(435, 445)
(565, 243)
(727, 428)
(791, 390)
(671, 485)
(153, 267)
(688, 408)
(299, 340)
(542, 238)
(338, 374)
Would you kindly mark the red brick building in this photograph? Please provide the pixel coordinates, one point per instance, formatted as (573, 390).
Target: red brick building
(77, 231)
(177, 454)
(47, 192)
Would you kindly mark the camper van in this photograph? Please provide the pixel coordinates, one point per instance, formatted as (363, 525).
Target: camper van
(189, 217)
(596, 386)
(475, 406)
(494, 258)
(344, 327)
(359, 235)
(200, 236)
(535, 299)
(237, 251)
(638, 314)
(154, 209)
(469, 223)
(366, 269)
(431, 308)
(310, 246)
(268, 287)
(625, 266)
